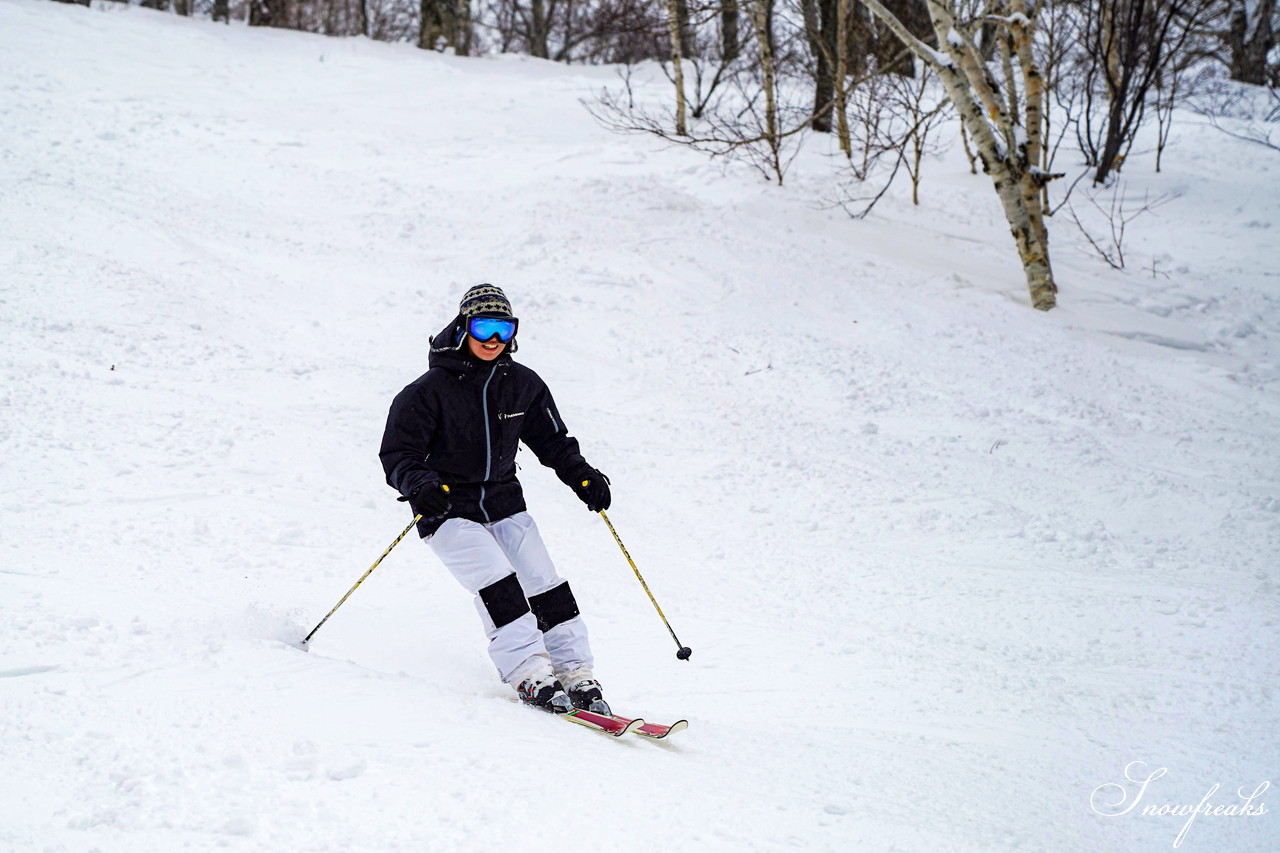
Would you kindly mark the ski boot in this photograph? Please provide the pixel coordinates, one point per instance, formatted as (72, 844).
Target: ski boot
(584, 692)
(543, 690)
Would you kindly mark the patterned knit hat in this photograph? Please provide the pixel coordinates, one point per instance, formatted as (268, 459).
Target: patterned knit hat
(485, 299)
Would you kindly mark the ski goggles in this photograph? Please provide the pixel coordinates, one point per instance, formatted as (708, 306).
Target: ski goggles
(485, 328)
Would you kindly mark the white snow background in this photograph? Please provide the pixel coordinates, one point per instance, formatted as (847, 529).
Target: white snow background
(947, 564)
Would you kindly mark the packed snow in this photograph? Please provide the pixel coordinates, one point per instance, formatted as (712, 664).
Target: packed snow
(948, 566)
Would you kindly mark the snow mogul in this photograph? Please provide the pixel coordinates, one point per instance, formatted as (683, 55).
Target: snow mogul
(450, 450)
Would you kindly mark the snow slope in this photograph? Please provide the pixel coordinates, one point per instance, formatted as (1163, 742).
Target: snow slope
(947, 565)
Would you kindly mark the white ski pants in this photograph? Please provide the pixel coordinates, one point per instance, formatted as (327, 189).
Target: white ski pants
(482, 557)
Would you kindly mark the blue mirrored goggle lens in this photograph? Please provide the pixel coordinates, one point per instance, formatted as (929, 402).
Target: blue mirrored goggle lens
(484, 328)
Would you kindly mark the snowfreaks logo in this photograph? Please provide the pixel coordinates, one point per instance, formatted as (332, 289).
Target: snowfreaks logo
(1112, 799)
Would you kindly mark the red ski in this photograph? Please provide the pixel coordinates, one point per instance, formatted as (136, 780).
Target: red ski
(658, 732)
(615, 726)
(653, 731)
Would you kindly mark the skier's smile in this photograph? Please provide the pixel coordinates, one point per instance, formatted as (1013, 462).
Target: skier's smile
(486, 350)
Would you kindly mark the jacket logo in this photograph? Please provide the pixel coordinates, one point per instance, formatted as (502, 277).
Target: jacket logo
(512, 415)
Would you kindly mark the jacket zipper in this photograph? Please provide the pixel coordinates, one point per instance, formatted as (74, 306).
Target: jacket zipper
(488, 441)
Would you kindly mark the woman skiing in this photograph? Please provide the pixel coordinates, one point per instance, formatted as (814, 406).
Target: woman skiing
(450, 450)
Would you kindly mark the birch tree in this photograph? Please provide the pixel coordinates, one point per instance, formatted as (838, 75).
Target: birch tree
(760, 12)
(1004, 127)
(677, 35)
(841, 106)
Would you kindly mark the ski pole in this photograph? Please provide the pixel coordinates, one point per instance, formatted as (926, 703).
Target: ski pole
(403, 533)
(684, 651)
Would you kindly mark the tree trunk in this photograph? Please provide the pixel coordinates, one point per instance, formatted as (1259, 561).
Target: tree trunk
(462, 26)
(730, 43)
(268, 13)
(441, 25)
(859, 37)
(260, 14)
(987, 43)
(1110, 34)
(914, 14)
(566, 39)
(677, 64)
(429, 24)
(968, 150)
(1249, 39)
(770, 37)
(686, 28)
(539, 30)
(841, 105)
(1109, 160)
(449, 22)
(1005, 48)
(1034, 180)
(820, 22)
(761, 13)
(221, 11)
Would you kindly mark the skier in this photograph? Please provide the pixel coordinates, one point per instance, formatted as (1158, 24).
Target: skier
(450, 450)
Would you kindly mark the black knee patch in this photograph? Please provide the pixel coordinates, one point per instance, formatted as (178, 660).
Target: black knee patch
(504, 600)
(554, 606)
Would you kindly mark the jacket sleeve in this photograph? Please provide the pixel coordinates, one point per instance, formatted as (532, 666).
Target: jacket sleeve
(545, 434)
(406, 442)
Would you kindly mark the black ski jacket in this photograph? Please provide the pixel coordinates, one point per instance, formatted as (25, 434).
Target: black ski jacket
(460, 424)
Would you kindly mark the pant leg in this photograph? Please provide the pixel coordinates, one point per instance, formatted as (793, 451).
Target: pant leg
(474, 557)
(520, 541)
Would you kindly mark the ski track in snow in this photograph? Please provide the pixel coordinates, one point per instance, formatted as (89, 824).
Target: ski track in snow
(946, 565)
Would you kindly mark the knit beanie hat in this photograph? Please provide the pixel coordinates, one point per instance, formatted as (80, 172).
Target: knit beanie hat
(485, 299)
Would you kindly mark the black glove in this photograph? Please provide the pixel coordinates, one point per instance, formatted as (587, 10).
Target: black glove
(429, 501)
(592, 488)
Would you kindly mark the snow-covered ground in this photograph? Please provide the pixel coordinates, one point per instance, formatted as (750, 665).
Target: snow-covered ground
(947, 564)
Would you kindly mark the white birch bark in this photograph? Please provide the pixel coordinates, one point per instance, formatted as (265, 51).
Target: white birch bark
(841, 105)
(677, 65)
(760, 22)
(1001, 144)
(1023, 25)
